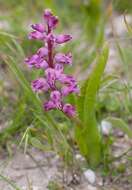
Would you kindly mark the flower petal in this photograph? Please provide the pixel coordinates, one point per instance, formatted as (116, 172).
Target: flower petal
(62, 38)
(42, 52)
(69, 110)
(40, 85)
(41, 64)
(49, 105)
(56, 98)
(69, 89)
(35, 35)
(51, 20)
(38, 27)
(63, 58)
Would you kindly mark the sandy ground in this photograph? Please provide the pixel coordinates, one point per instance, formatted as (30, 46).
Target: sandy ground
(35, 170)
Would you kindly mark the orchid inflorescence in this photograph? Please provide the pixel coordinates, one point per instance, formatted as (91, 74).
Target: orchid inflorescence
(53, 63)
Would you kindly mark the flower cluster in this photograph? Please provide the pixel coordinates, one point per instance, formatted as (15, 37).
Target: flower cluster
(54, 80)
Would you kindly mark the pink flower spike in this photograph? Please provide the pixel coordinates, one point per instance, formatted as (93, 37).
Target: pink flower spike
(38, 27)
(40, 85)
(62, 38)
(55, 81)
(69, 110)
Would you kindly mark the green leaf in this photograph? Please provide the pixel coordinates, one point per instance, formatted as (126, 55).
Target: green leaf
(88, 137)
(80, 100)
(93, 85)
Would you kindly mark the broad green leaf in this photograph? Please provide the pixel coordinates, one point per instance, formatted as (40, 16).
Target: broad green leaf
(80, 99)
(88, 137)
(93, 86)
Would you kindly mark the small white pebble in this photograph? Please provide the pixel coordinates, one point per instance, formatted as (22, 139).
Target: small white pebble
(90, 176)
(90, 187)
(79, 157)
(106, 127)
(100, 183)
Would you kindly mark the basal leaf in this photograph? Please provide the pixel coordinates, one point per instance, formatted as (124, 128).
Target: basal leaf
(88, 137)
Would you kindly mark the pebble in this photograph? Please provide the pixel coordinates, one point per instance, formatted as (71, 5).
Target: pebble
(106, 127)
(79, 157)
(90, 176)
(90, 187)
(120, 134)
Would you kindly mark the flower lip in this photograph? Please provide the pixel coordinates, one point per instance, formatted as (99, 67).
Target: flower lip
(63, 58)
(55, 96)
(67, 79)
(30, 61)
(66, 90)
(47, 13)
(51, 77)
(35, 35)
(49, 105)
(38, 27)
(42, 52)
(40, 85)
(59, 69)
(69, 110)
(36, 61)
(41, 64)
(62, 38)
(51, 20)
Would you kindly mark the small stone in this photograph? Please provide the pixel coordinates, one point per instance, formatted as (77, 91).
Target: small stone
(99, 181)
(106, 127)
(90, 176)
(79, 157)
(120, 134)
(90, 187)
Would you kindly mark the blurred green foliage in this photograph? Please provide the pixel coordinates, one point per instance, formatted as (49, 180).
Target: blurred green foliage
(123, 5)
